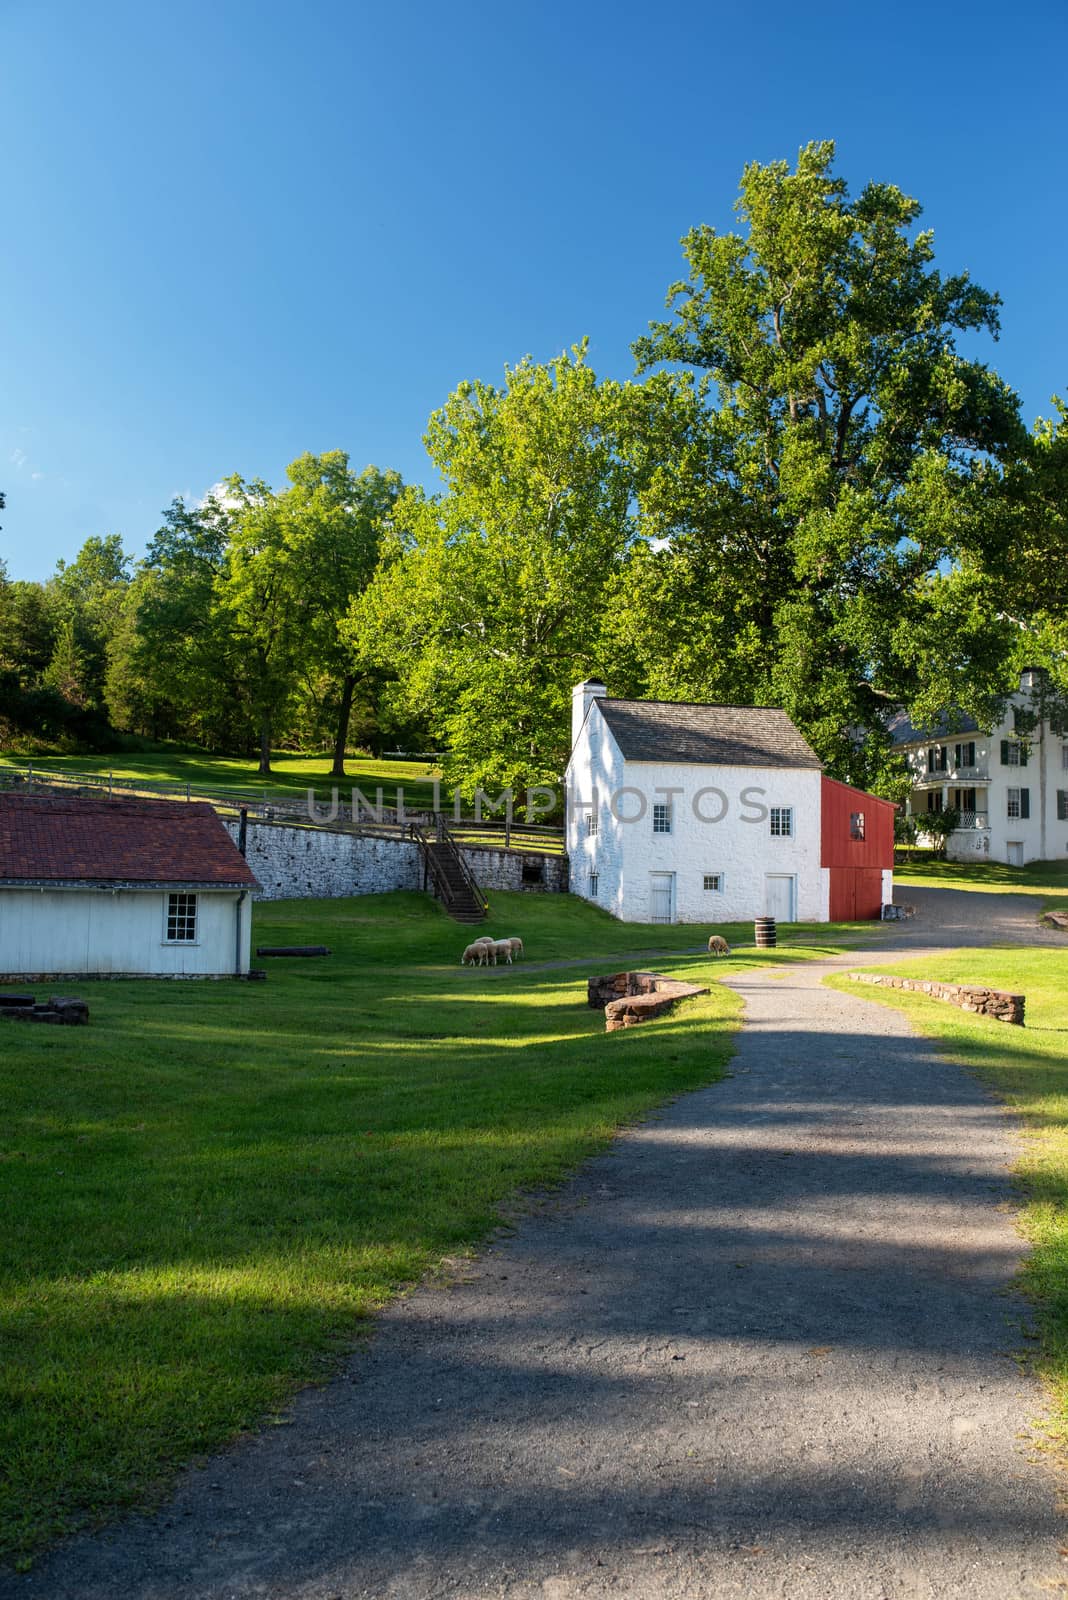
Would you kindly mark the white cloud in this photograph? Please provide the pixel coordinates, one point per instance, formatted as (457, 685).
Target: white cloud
(18, 458)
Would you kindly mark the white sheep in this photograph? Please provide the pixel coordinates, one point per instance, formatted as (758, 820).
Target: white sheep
(517, 947)
(477, 955)
(718, 945)
(502, 949)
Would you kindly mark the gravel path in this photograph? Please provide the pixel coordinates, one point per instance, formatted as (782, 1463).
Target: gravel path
(760, 1348)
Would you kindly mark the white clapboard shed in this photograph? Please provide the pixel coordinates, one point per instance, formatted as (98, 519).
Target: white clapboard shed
(115, 888)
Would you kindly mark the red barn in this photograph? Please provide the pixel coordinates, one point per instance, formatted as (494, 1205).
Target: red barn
(857, 848)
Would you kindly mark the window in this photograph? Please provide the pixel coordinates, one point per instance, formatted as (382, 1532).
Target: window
(591, 824)
(1019, 803)
(1062, 805)
(936, 758)
(594, 883)
(1014, 803)
(662, 818)
(1013, 753)
(714, 881)
(782, 822)
(965, 754)
(1064, 756)
(856, 825)
(181, 918)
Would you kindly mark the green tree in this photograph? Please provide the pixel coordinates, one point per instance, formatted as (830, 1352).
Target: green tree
(335, 523)
(490, 599)
(834, 450)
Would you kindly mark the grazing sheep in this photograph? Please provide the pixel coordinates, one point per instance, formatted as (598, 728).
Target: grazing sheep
(502, 950)
(485, 938)
(718, 946)
(517, 947)
(476, 954)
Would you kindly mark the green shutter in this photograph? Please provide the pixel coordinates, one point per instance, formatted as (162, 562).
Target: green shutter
(1062, 805)
(1025, 802)
(1023, 752)
(1004, 752)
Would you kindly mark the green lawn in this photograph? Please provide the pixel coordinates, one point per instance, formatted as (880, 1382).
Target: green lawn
(208, 1187)
(1049, 879)
(237, 775)
(1028, 1068)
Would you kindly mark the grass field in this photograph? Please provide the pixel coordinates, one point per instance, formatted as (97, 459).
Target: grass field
(1048, 879)
(208, 1188)
(1028, 1068)
(236, 775)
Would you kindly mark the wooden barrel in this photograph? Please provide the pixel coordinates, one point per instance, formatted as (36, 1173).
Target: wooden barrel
(764, 930)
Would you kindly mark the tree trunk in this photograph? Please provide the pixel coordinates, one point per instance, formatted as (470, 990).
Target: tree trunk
(265, 745)
(341, 738)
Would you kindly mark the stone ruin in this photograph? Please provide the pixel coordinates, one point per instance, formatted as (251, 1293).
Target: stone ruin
(61, 1009)
(996, 1003)
(627, 998)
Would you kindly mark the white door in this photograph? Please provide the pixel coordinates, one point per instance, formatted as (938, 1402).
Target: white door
(662, 896)
(1014, 849)
(780, 893)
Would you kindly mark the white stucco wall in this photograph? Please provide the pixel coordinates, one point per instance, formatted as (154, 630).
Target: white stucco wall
(72, 932)
(739, 847)
(594, 774)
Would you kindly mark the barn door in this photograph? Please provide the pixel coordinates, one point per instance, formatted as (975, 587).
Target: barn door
(779, 896)
(662, 896)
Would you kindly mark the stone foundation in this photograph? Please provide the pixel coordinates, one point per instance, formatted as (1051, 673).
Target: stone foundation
(627, 998)
(994, 1003)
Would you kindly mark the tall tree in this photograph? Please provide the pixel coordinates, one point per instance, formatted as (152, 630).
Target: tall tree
(833, 448)
(490, 599)
(336, 521)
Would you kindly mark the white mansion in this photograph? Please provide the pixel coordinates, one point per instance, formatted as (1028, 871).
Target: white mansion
(1010, 785)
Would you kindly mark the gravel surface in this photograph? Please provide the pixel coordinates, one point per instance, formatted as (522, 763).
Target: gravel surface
(762, 1347)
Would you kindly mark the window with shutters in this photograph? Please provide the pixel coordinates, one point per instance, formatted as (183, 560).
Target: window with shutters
(965, 754)
(1014, 803)
(936, 758)
(1010, 753)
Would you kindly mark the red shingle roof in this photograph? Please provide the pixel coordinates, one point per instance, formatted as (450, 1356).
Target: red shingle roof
(74, 840)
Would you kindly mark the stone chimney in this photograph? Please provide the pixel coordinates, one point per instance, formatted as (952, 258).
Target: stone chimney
(582, 696)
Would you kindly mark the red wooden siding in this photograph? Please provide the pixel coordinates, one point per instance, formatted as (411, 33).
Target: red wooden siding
(856, 865)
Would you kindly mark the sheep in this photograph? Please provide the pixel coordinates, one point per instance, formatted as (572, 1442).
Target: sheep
(517, 947)
(718, 946)
(476, 954)
(485, 938)
(502, 948)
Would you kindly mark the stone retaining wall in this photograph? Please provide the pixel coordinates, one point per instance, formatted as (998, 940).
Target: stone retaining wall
(970, 997)
(294, 863)
(628, 998)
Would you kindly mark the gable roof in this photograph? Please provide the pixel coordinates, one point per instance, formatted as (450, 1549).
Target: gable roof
(698, 735)
(904, 731)
(68, 839)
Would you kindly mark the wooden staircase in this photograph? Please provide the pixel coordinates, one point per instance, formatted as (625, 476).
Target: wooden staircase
(446, 873)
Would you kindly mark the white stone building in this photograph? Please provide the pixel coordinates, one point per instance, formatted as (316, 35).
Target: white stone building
(707, 814)
(1009, 784)
(110, 888)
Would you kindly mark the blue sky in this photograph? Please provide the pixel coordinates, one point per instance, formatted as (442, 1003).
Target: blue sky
(235, 231)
